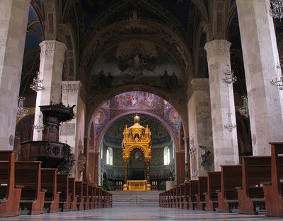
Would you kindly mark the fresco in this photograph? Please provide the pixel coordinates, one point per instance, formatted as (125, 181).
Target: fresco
(137, 101)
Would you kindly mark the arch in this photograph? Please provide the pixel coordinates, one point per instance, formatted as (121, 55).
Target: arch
(151, 30)
(179, 105)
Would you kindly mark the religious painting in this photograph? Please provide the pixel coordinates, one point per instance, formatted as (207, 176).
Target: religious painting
(174, 117)
(99, 117)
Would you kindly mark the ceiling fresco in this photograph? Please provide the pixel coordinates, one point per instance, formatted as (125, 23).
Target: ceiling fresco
(137, 101)
(136, 61)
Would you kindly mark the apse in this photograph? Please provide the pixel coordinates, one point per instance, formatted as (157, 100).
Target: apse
(108, 123)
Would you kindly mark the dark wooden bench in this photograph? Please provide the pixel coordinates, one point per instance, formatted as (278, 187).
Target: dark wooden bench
(231, 177)
(28, 175)
(202, 189)
(255, 171)
(171, 198)
(90, 196)
(10, 194)
(85, 196)
(213, 186)
(193, 193)
(63, 188)
(273, 191)
(175, 196)
(182, 196)
(187, 194)
(49, 186)
(72, 192)
(79, 195)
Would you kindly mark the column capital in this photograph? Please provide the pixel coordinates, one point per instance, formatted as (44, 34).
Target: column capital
(48, 47)
(71, 86)
(217, 48)
(200, 84)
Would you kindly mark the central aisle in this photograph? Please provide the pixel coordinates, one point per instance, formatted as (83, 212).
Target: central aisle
(137, 213)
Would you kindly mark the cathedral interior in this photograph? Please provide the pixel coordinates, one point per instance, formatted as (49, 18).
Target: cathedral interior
(203, 75)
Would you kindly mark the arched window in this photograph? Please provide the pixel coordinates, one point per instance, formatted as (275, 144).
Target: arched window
(166, 156)
(109, 156)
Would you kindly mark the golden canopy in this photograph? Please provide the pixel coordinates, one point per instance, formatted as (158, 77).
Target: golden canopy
(136, 137)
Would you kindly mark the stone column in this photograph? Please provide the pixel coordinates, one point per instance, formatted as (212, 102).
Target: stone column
(72, 132)
(261, 59)
(13, 20)
(225, 142)
(200, 130)
(51, 65)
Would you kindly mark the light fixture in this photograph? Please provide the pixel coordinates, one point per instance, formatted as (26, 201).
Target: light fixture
(278, 82)
(276, 9)
(229, 77)
(37, 84)
(21, 111)
(244, 110)
(38, 127)
(229, 126)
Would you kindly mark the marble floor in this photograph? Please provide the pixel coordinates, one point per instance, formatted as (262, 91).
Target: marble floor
(138, 213)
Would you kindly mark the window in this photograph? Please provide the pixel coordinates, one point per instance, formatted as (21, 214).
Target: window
(166, 156)
(109, 156)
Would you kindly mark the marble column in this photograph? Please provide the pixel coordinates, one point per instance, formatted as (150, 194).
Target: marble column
(50, 71)
(225, 142)
(261, 59)
(200, 130)
(13, 20)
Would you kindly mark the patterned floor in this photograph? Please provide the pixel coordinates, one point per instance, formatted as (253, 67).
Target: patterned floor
(138, 213)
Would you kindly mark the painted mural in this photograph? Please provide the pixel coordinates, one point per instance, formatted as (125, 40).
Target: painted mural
(136, 101)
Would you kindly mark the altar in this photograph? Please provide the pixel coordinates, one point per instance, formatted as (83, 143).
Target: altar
(137, 185)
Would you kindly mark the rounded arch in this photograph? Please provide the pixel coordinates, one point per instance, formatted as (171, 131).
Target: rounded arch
(178, 104)
(154, 31)
(108, 125)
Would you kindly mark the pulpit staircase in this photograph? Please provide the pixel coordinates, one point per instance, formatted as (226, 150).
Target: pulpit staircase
(135, 198)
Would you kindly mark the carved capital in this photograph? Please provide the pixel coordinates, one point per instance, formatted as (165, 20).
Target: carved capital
(217, 49)
(50, 47)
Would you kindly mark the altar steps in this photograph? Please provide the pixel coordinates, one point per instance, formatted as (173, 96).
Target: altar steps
(135, 198)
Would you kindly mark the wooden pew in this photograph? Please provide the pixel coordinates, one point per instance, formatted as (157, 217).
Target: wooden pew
(182, 196)
(175, 196)
(193, 193)
(202, 189)
(231, 177)
(10, 194)
(79, 195)
(63, 188)
(187, 194)
(171, 198)
(213, 186)
(28, 175)
(85, 196)
(273, 191)
(90, 196)
(255, 170)
(72, 192)
(49, 185)
(94, 196)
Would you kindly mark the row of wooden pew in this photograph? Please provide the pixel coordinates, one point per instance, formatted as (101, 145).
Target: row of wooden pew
(25, 187)
(254, 185)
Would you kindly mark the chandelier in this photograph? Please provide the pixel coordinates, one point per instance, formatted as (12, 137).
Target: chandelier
(229, 126)
(278, 82)
(38, 127)
(21, 111)
(244, 110)
(37, 84)
(229, 77)
(276, 9)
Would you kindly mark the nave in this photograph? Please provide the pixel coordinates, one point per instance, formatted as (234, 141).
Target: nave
(138, 213)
